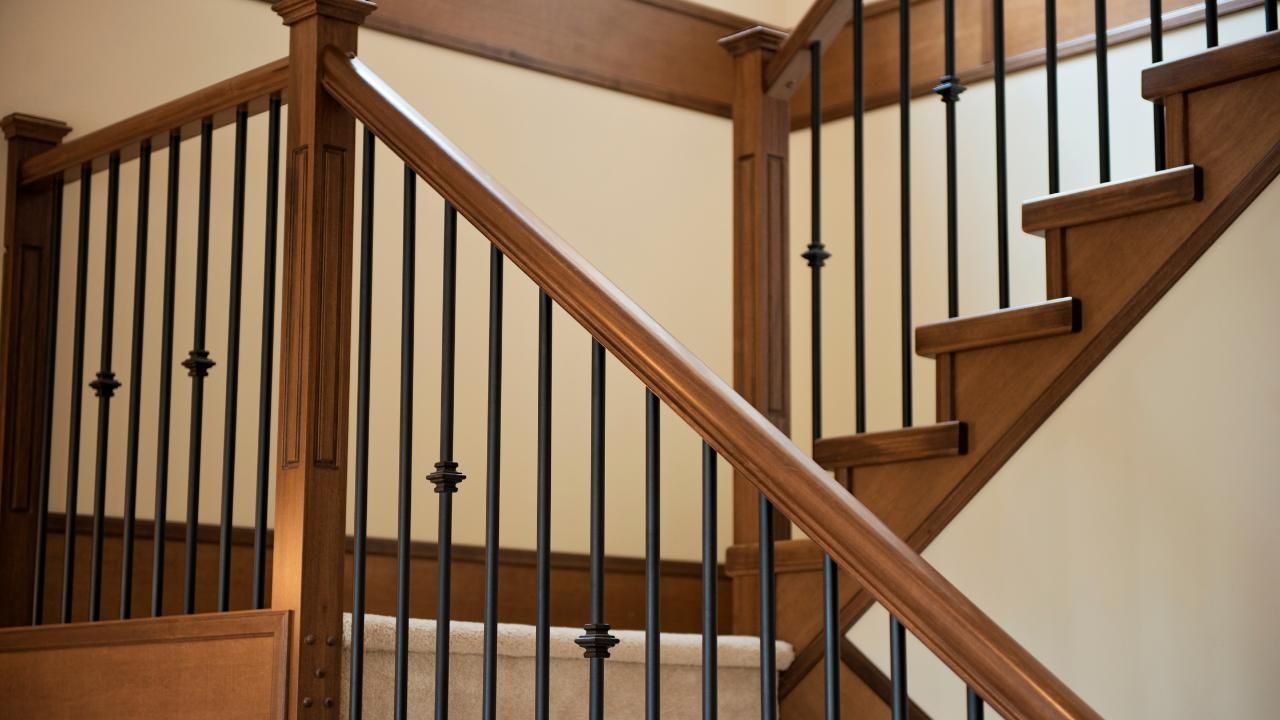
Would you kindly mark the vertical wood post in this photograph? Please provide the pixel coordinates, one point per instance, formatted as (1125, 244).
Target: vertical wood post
(24, 332)
(311, 487)
(761, 293)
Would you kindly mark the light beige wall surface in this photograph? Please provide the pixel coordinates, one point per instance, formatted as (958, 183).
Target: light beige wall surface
(641, 188)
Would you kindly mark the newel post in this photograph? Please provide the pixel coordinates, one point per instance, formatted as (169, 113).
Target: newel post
(315, 353)
(30, 249)
(761, 294)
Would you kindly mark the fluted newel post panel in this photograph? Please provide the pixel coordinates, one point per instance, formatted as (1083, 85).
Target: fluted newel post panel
(761, 292)
(26, 358)
(315, 356)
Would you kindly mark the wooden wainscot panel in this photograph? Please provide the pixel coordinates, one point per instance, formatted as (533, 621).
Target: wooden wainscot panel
(228, 665)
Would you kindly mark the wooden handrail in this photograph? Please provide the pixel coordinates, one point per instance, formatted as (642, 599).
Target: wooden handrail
(218, 101)
(973, 646)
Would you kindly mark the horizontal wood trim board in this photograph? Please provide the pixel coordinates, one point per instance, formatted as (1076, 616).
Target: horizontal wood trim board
(624, 579)
(1046, 319)
(1159, 190)
(219, 101)
(878, 448)
(195, 666)
(1213, 67)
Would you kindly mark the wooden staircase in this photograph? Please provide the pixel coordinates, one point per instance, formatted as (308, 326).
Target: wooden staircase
(1112, 251)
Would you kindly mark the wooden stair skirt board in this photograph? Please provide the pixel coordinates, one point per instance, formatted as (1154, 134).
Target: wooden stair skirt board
(879, 448)
(227, 665)
(1226, 121)
(1157, 191)
(681, 671)
(1002, 327)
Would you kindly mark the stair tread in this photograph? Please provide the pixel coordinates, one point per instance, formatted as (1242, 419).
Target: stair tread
(1030, 322)
(1159, 190)
(1215, 66)
(879, 448)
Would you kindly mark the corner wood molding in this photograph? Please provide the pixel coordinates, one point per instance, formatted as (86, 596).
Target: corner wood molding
(1004, 393)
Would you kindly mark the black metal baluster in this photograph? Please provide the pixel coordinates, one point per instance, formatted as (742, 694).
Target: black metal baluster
(446, 476)
(46, 434)
(710, 579)
(816, 255)
(268, 346)
(973, 705)
(408, 274)
(652, 556)
(1157, 54)
(104, 385)
(859, 229)
(904, 139)
(233, 365)
(595, 640)
(135, 377)
(1051, 87)
(1211, 23)
(1272, 16)
(362, 427)
(949, 88)
(197, 365)
(1104, 94)
(166, 378)
(493, 454)
(768, 653)
(1002, 149)
(77, 395)
(898, 669)
(542, 626)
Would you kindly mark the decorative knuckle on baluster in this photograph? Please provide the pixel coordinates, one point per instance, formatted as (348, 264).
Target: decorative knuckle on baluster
(595, 641)
(198, 363)
(817, 255)
(446, 477)
(105, 384)
(949, 88)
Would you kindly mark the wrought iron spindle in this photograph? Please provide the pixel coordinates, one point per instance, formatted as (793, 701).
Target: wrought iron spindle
(408, 275)
(77, 395)
(1002, 150)
(973, 704)
(542, 625)
(268, 346)
(493, 470)
(1272, 16)
(362, 427)
(904, 149)
(166, 378)
(446, 476)
(898, 669)
(104, 385)
(949, 88)
(1157, 54)
(710, 579)
(197, 365)
(46, 433)
(816, 255)
(1211, 23)
(859, 229)
(135, 376)
(768, 655)
(1104, 94)
(233, 364)
(1051, 88)
(595, 640)
(652, 556)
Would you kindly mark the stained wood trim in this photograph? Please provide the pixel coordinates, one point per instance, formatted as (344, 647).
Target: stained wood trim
(789, 556)
(195, 666)
(1156, 191)
(219, 101)
(873, 677)
(878, 448)
(1030, 322)
(944, 620)
(1213, 67)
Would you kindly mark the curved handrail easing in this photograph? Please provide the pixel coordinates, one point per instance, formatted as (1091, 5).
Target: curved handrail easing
(973, 646)
(219, 101)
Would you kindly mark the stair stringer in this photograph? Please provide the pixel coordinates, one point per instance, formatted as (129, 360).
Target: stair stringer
(1118, 269)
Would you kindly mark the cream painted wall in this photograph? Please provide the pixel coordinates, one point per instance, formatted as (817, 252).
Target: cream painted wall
(641, 188)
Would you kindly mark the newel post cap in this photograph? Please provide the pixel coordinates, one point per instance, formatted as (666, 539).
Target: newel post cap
(352, 11)
(32, 127)
(755, 38)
